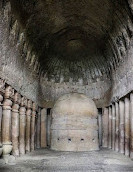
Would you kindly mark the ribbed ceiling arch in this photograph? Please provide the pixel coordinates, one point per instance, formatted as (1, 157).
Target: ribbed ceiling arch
(74, 40)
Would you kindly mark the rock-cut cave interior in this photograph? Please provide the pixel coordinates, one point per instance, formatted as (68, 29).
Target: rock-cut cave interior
(66, 85)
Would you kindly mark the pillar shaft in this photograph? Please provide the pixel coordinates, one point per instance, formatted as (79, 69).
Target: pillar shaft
(6, 123)
(121, 110)
(22, 130)
(117, 127)
(28, 126)
(36, 130)
(28, 129)
(131, 124)
(110, 128)
(22, 127)
(127, 126)
(105, 121)
(15, 124)
(33, 127)
(39, 129)
(100, 128)
(113, 126)
(1, 99)
(43, 128)
(15, 129)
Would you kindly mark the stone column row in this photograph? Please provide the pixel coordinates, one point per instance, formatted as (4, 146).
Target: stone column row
(117, 124)
(19, 131)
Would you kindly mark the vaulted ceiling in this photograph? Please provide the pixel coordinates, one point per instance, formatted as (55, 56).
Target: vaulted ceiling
(76, 39)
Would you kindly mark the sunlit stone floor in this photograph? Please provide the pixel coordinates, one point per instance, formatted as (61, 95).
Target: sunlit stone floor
(51, 161)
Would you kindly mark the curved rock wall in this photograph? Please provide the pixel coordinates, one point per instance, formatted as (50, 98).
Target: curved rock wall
(14, 54)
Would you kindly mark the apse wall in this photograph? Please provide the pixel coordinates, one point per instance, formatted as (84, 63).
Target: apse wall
(98, 90)
(74, 124)
(14, 50)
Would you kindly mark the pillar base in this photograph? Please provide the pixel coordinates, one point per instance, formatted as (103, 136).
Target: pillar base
(7, 148)
(131, 156)
(22, 152)
(9, 159)
(6, 158)
(16, 153)
(117, 150)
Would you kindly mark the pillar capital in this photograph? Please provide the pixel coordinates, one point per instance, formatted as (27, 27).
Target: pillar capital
(1, 99)
(17, 98)
(39, 110)
(15, 107)
(28, 112)
(34, 106)
(22, 111)
(23, 102)
(7, 104)
(9, 92)
(29, 104)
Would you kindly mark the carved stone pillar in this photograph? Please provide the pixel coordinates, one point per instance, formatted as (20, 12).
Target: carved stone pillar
(113, 127)
(1, 99)
(15, 124)
(22, 126)
(43, 128)
(117, 127)
(36, 116)
(6, 123)
(105, 121)
(131, 124)
(33, 126)
(39, 129)
(28, 126)
(121, 110)
(127, 126)
(110, 128)
(2, 91)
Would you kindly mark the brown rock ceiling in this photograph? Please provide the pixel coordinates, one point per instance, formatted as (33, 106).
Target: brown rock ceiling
(75, 39)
